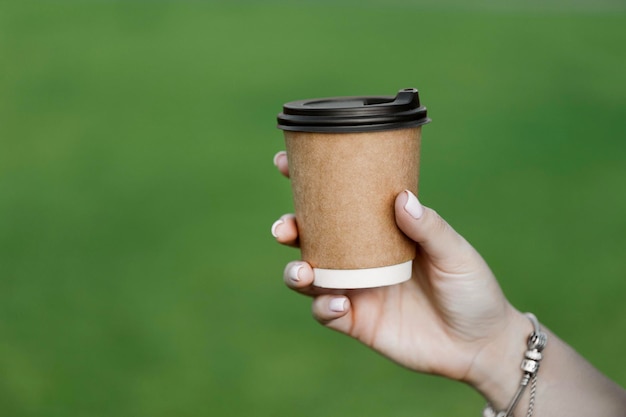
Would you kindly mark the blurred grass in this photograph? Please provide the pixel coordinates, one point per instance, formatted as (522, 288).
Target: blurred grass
(137, 273)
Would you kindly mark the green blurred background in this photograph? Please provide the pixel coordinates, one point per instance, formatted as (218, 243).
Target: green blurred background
(138, 276)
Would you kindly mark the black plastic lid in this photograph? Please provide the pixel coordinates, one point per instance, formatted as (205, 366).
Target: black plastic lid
(354, 114)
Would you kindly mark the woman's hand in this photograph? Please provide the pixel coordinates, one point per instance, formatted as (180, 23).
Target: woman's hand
(452, 319)
(442, 321)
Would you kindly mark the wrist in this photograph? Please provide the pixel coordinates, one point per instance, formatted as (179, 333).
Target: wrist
(495, 371)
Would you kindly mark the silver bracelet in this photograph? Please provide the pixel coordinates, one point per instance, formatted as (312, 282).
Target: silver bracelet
(530, 365)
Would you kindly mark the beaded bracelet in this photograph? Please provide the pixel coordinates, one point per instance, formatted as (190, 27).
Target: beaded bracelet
(530, 365)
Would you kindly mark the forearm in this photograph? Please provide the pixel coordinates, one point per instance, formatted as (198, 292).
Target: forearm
(571, 386)
(567, 384)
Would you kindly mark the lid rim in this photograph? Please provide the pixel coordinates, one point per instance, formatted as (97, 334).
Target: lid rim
(353, 128)
(354, 113)
(364, 114)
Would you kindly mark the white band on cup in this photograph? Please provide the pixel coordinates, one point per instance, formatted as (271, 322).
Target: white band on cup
(363, 278)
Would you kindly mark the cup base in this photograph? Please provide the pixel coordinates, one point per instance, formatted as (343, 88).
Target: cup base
(363, 278)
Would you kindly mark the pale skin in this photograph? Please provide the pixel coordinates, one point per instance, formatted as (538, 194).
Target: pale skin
(452, 319)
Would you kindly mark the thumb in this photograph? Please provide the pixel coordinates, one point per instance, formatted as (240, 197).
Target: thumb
(448, 250)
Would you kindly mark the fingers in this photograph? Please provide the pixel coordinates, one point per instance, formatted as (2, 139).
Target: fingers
(333, 311)
(285, 230)
(280, 160)
(298, 276)
(329, 308)
(448, 250)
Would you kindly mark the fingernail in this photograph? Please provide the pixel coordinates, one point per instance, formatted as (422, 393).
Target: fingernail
(278, 155)
(338, 305)
(275, 226)
(413, 206)
(293, 272)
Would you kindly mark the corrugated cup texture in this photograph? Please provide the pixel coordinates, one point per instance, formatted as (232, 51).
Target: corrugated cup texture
(344, 188)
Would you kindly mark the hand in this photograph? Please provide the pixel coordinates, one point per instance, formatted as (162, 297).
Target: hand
(450, 319)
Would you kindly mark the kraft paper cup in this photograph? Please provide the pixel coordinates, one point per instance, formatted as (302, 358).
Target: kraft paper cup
(349, 157)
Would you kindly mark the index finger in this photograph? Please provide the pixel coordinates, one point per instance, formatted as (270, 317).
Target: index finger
(280, 160)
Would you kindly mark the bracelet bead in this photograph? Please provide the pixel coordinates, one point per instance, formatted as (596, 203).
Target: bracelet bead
(530, 366)
(490, 412)
(537, 341)
(534, 355)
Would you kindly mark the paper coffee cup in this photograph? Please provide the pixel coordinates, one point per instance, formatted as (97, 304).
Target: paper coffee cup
(349, 157)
